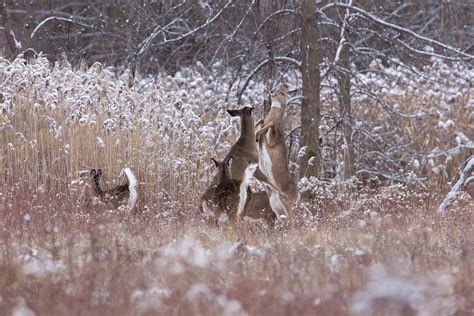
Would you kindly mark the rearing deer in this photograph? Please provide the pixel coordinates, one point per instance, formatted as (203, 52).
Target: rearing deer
(118, 194)
(273, 157)
(245, 151)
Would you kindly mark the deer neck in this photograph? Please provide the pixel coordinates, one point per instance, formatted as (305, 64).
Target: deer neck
(248, 129)
(224, 174)
(276, 113)
(97, 187)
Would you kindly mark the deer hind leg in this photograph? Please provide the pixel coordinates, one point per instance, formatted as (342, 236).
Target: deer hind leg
(278, 207)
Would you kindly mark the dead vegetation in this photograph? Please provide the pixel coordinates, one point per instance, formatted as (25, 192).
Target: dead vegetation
(357, 247)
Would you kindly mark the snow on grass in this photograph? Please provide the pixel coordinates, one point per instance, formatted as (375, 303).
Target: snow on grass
(39, 263)
(399, 293)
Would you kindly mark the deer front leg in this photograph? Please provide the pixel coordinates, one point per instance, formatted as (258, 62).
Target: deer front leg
(262, 131)
(260, 121)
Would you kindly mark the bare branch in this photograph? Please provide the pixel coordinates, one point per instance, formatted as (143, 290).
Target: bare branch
(58, 18)
(273, 15)
(146, 43)
(230, 36)
(263, 64)
(398, 28)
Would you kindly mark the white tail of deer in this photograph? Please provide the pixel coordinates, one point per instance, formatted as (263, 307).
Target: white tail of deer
(132, 187)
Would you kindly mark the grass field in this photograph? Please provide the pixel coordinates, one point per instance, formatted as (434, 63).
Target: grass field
(374, 248)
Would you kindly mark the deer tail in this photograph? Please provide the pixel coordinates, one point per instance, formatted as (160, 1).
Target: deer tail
(132, 187)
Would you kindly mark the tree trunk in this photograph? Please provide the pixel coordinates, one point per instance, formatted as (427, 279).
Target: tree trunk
(271, 72)
(8, 32)
(269, 33)
(344, 80)
(310, 105)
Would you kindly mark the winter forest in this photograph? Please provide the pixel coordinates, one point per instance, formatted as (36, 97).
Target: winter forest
(222, 157)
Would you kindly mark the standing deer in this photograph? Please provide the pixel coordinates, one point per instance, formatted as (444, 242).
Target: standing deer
(273, 157)
(258, 208)
(243, 153)
(230, 196)
(120, 193)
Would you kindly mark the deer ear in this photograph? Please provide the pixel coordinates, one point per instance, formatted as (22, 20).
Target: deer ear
(99, 172)
(93, 173)
(233, 112)
(228, 160)
(215, 162)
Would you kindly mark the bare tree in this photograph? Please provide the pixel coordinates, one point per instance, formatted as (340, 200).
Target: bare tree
(310, 104)
(329, 43)
(342, 61)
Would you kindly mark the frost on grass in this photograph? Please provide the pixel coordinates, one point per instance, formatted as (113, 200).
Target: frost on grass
(400, 292)
(178, 255)
(40, 263)
(148, 300)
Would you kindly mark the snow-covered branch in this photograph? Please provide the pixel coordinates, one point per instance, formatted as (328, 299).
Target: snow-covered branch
(58, 18)
(147, 41)
(398, 28)
(465, 179)
(342, 36)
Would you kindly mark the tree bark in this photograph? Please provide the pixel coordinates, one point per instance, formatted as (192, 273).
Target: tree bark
(344, 80)
(310, 105)
(4, 22)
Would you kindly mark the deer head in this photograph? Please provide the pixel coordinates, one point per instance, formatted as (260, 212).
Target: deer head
(279, 98)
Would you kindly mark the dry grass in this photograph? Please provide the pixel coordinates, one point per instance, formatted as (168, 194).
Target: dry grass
(351, 250)
(169, 261)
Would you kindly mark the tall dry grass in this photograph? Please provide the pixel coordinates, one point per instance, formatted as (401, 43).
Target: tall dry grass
(354, 249)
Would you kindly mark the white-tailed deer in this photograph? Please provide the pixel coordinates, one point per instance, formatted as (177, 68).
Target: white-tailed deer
(119, 194)
(258, 207)
(230, 196)
(244, 151)
(273, 157)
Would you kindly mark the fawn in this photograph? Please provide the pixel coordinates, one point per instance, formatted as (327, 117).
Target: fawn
(230, 196)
